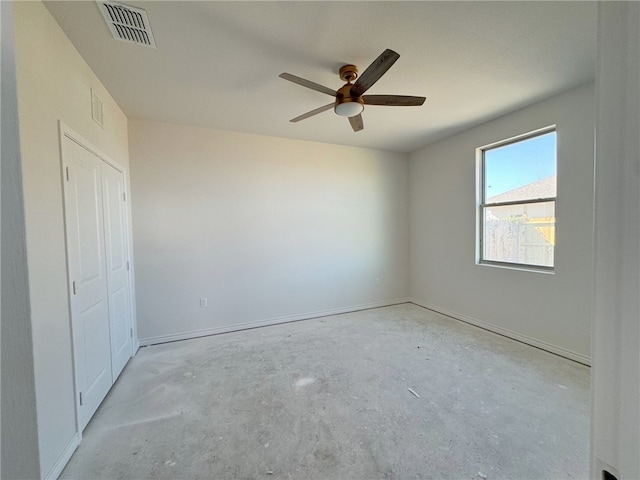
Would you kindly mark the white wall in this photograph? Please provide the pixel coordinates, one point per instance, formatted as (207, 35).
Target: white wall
(615, 413)
(54, 83)
(267, 229)
(19, 436)
(548, 310)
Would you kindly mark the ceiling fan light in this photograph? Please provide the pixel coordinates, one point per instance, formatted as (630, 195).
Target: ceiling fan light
(349, 108)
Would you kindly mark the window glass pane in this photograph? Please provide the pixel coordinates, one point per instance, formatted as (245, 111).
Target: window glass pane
(525, 170)
(524, 234)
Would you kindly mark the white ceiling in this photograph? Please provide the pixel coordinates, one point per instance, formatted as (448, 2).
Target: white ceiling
(217, 63)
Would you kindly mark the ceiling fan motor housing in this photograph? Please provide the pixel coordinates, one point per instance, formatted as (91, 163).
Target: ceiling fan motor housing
(346, 104)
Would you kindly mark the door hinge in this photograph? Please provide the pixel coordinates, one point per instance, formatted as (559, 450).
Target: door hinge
(80, 398)
(124, 197)
(131, 332)
(127, 265)
(74, 287)
(67, 169)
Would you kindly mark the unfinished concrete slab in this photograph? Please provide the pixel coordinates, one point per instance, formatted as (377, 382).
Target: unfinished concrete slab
(395, 392)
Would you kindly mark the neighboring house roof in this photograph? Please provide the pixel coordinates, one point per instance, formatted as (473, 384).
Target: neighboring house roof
(545, 188)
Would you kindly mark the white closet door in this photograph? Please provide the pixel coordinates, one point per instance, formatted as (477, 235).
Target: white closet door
(88, 276)
(115, 226)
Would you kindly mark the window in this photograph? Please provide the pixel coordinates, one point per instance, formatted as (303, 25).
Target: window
(517, 212)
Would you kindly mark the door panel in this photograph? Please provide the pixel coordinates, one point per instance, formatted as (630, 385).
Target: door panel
(88, 276)
(89, 220)
(115, 224)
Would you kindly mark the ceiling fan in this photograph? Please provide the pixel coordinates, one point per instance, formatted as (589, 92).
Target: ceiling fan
(349, 99)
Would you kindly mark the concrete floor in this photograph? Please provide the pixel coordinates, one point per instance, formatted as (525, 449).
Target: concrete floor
(329, 399)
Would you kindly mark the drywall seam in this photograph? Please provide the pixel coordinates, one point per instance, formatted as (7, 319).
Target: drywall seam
(271, 321)
(563, 352)
(64, 458)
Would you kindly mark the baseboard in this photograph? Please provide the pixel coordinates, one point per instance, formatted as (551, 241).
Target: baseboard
(62, 461)
(563, 352)
(271, 321)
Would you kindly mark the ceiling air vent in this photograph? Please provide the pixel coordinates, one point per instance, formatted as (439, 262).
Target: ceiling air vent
(129, 24)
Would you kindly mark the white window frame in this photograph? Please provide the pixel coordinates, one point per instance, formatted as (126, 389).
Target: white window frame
(482, 205)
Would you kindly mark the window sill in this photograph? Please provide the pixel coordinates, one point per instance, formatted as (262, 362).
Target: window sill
(518, 267)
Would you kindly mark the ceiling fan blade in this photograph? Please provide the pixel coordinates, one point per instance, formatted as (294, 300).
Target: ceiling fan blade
(393, 100)
(313, 112)
(374, 71)
(308, 83)
(356, 123)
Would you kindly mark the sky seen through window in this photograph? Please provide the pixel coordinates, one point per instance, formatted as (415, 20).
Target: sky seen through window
(518, 164)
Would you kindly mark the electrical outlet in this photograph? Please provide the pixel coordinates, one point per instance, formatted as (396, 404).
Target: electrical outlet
(203, 302)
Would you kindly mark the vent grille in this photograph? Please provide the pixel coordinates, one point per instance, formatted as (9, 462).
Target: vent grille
(129, 24)
(97, 108)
